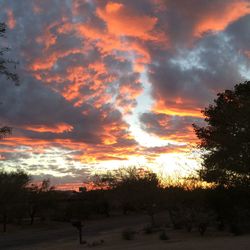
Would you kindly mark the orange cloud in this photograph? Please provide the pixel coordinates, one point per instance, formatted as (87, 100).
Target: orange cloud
(170, 127)
(49, 59)
(57, 128)
(76, 186)
(109, 43)
(37, 9)
(180, 108)
(11, 22)
(219, 20)
(47, 38)
(123, 22)
(247, 53)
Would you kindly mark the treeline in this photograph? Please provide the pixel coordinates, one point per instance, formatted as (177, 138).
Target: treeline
(21, 201)
(122, 192)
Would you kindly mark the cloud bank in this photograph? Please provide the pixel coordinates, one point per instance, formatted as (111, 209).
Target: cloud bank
(81, 68)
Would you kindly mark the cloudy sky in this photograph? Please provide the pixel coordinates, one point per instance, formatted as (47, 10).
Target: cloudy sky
(106, 84)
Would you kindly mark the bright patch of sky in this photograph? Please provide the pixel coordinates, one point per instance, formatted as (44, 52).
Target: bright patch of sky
(177, 165)
(187, 59)
(245, 71)
(51, 161)
(144, 104)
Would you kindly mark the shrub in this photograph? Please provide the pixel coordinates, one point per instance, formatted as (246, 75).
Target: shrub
(163, 235)
(202, 228)
(148, 229)
(128, 234)
(189, 226)
(236, 229)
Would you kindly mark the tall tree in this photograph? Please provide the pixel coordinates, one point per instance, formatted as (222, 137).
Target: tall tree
(225, 139)
(39, 198)
(12, 192)
(5, 65)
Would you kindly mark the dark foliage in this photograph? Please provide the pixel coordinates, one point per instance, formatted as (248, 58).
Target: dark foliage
(221, 207)
(4, 131)
(39, 199)
(163, 235)
(12, 192)
(5, 65)
(226, 139)
(135, 189)
(128, 234)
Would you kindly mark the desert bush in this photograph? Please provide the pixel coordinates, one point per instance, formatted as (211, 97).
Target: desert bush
(236, 229)
(128, 234)
(176, 218)
(189, 225)
(148, 229)
(163, 235)
(202, 228)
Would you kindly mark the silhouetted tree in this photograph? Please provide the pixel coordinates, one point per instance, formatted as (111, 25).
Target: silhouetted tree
(225, 139)
(5, 65)
(4, 70)
(12, 192)
(39, 198)
(4, 131)
(135, 188)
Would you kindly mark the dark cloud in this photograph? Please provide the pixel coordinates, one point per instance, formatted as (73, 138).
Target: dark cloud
(239, 33)
(189, 79)
(168, 126)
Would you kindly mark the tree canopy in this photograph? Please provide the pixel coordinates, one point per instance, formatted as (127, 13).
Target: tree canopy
(12, 190)
(225, 139)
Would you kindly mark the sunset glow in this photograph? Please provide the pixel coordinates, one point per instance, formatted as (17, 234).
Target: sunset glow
(108, 84)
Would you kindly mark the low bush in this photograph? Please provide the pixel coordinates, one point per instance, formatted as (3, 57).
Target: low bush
(236, 229)
(128, 234)
(148, 229)
(163, 235)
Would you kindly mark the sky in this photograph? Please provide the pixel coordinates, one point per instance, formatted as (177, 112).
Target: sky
(107, 84)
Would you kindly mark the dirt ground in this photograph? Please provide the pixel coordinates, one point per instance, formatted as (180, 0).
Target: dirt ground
(113, 241)
(62, 236)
